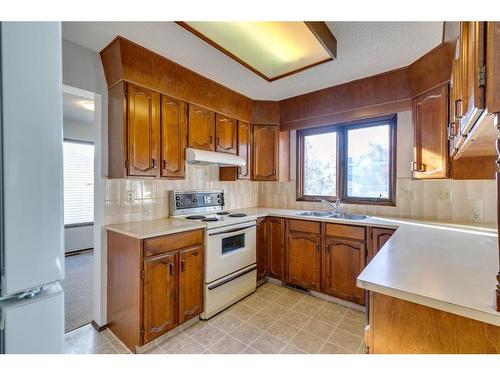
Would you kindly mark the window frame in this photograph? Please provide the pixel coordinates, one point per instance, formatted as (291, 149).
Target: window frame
(88, 223)
(341, 174)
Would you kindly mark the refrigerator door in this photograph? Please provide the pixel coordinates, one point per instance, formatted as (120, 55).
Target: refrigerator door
(33, 326)
(32, 135)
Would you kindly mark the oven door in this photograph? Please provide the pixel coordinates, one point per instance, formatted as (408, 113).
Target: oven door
(229, 249)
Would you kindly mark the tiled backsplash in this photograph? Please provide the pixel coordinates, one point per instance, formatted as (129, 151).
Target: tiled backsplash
(146, 199)
(457, 201)
(449, 200)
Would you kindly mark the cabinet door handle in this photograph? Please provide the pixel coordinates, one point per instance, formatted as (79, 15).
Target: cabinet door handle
(458, 105)
(413, 166)
(164, 164)
(211, 139)
(153, 162)
(218, 140)
(183, 265)
(171, 268)
(317, 247)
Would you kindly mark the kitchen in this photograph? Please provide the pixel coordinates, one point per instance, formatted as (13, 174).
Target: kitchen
(345, 205)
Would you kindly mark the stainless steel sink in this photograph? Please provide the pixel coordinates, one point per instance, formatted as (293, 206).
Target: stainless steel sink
(333, 215)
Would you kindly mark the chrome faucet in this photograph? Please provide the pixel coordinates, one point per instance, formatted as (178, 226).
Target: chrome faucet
(337, 206)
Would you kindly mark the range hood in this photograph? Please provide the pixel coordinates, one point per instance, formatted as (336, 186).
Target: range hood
(202, 157)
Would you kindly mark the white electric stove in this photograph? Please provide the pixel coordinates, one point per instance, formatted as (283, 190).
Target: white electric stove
(230, 247)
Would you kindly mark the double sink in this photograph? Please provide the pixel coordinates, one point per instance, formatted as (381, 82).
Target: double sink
(333, 215)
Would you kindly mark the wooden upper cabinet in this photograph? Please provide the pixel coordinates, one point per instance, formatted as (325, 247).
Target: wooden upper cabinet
(244, 151)
(303, 260)
(265, 150)
(160, 295)
(275, 247)
(173, 138)
(430, 122)
(261, 249)
(378, 238)
(226, 130)
(201, 128)
(190, 283)
(143, 131)
(344, 261)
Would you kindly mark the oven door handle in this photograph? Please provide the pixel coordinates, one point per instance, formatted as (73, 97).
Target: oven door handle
(232, 230)
(235, 276)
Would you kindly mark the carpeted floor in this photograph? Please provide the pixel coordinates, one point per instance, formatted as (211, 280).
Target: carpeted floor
(78, 289)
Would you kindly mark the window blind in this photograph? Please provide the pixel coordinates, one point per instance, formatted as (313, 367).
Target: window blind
(78, 183)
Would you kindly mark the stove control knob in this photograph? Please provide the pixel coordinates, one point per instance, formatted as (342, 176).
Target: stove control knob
(178, 204)
(218, 196)
(219, 201)
(195, 200)
(177, 198)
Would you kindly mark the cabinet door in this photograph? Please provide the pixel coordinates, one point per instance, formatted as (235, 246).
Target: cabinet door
(244, 135)
(430, 122)
(143, 131)
(265, 145)
(275, 246)
(344, 261)
(261, 249)
(190, 283)
(201, 128)
(160, 295)
(378, 238)
(173, 138)
(226, 130)
(303, 260)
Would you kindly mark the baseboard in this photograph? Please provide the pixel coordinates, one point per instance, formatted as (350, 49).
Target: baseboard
(97, 327)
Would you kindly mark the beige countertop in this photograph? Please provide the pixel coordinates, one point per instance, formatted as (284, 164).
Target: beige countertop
(450, 267)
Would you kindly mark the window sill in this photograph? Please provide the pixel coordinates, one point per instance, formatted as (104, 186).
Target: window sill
(360, 201)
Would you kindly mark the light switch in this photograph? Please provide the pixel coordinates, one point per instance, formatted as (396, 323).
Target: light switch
(130, 196)
(446, 195)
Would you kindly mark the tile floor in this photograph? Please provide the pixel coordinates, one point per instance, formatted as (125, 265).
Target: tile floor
(272, 320)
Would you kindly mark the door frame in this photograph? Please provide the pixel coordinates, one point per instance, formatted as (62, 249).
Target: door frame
(99, 278)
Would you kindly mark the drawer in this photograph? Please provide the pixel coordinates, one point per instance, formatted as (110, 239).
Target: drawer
(304, 226)
(172, 242)
(346, 231)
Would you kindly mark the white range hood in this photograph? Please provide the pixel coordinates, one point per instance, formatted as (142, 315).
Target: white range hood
(195, 156)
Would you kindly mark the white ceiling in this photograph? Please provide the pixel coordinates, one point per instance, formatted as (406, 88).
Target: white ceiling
(73, 110)
(364, 49)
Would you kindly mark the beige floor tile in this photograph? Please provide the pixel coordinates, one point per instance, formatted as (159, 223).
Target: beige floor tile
(192, 329)
(292, 349)
(242, 311)
(104, 347)
(155, 350)
(268, 344)
(208, 336)
(187, 346)
(319, 328)
(286, 301)
(330, 348)
(283, 331)
(352, 326)
(362, 348)
(305, 308)
(346, 340)
(228, 345)
(308, 342)
(273, 287)
(249, 350)
(255, 302)
(226, 323)
(296, 319)
(356, 315)
(295, 294)
(173, 341)
(262, 321)
(275, 310)
(336, 308)
(267, 294)
(247, 333)
(328, 317)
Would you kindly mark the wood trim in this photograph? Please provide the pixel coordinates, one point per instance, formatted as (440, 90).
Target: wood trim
(323, 34)
(322, 40)
(265, 112)
(497, 289)
(473, 168)
(492, 90)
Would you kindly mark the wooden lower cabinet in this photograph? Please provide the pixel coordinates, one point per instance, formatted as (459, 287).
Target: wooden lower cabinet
(275, 232)
(261, 249)
(160, 295)
(303, 260)
(153, 284)
(343, 262)
(378, 238)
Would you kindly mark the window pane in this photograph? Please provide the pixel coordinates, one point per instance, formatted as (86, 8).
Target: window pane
(368, 162)
(320, 164)
(78, 183)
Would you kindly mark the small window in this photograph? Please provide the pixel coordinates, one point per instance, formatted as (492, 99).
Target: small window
(354, 162)
(78, 183)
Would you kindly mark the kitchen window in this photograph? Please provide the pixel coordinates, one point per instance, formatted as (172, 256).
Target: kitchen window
(78, 183)
(354, 162)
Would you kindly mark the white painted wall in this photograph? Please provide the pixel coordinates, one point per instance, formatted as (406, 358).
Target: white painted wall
(82, 69)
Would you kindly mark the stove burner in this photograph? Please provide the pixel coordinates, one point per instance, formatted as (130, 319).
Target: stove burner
(210, 219)
(195, 217)
(223, 213)
(237, 215)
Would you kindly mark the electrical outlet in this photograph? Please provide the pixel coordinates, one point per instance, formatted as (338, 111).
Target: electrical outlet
(130, 196)
(446, 195)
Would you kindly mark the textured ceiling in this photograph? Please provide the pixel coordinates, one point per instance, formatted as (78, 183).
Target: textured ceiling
(364, 49)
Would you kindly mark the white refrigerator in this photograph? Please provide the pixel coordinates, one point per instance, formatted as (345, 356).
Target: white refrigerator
(31, 189)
